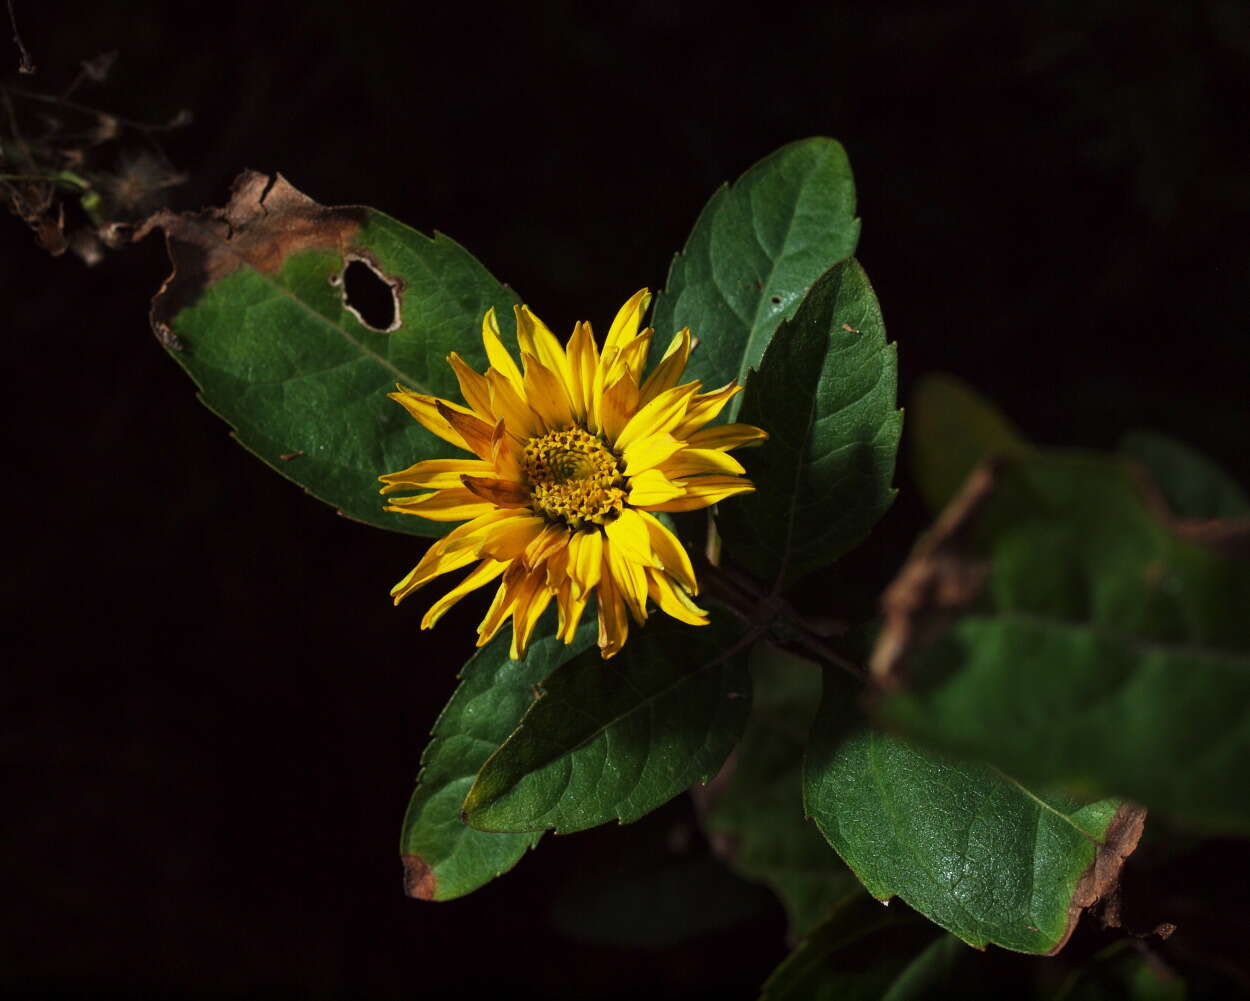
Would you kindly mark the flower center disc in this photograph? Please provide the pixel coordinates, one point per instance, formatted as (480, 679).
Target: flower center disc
(574, 477)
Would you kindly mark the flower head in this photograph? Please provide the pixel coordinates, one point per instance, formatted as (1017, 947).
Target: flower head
(574, 450)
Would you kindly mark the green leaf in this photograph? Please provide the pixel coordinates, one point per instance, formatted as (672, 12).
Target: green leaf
(953, 428)
(443, 857)
(858, 953)
(754, 251)
(988, 859)
(255, 313)
(612, 740)
(1104, 650)
(758, 814)
(1193, 484)
(825, 393)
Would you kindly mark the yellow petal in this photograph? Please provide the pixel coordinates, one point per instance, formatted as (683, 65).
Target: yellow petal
(506, 453)
(532, 600)
(424, 410)
(613, 622)
(670, 368)
(705, 407)
(434, 563)
(704, 491)
(455, 504)
(617, 405)
(726, 436)
(585, 560)
(629, 536)
(508, 403)
(692, 461)
(644, 453)
(570, 608)
(583, 359)
(659, 416)
(502, 604)
(504, 493)
(670, 552)
(546, 395)
(508, 538)
(628, 319)
(434, 474)
(475, 431)
(552, 538)
(534, 338)
(496, 353)
(479, 576)
(473, 387)
(673, 600)
(630, 579)
(651, 487)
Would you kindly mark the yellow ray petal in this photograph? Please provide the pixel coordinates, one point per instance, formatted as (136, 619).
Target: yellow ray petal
(644, 453)
(704, 491)
(692, 461)
(628, 319)
(507, 539)
(508, 403)
(705, 407)
(613, 622)
(434, 563)
(552, 538)
(434, 474)
(673, 600)
(424, 410)
(670, 368)
(532, 601)
(496, 353)
(629, 536)
(475, 431)
(504, 493)
(506, 453)
(479, 576)
(570, 608)
(726, 436)
(546, 394)
(583, 359)
(670, 552)
(659, 416)
(502, 604)
(534, 338)
(473, 387)
(630, 579)
(585, 560)
(617, 405)
(454, 504)
(651, 487)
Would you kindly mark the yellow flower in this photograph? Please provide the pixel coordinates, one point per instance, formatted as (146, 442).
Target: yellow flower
(574, 451)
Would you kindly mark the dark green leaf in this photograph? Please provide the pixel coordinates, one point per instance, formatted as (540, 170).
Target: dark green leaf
(255, 312)
(1105, 651)
(612, 740)
(968, 847)
(825, 393)
(1192, 483)
(856, 954)
(758, 815)
(444, 858)
(953, 428)
(756, 248)
(1121, 973)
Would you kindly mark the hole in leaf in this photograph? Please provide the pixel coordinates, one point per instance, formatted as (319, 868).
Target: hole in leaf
(370, 296)
(776, 300)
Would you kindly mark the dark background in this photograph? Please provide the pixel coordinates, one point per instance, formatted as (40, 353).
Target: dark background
(215, 716)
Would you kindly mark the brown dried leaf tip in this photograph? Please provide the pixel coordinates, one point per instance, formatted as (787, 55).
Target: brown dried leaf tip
(419, 880)
(266, 220)
(942, 577)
